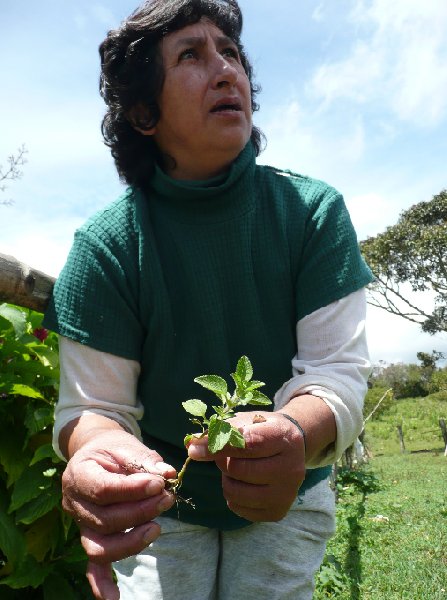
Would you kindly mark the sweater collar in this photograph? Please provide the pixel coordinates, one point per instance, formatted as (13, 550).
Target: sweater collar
(223, 196)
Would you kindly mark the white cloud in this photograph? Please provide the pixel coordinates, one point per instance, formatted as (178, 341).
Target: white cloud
(393, 339)
(318, 13)
(399, 60)
(301, 141)
(369, 211)
(354, 78)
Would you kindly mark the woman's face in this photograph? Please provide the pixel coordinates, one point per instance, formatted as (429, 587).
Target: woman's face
(205, 104)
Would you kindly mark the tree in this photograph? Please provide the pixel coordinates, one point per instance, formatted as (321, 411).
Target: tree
(13, 170)
(412, 255)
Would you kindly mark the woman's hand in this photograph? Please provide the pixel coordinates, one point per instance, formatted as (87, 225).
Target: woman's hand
(113, 487)
(260, 481)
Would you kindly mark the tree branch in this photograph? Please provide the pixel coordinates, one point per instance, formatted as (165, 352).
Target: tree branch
(13, 170)
(24, 286)
(391, 306)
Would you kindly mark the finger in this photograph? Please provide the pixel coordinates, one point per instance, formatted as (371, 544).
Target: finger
(198, 449)
(118, 517)
(88, 480)
(273, 498)
(258, 503)
(257, 515)
(259, 471)
(281, 469)
(104, 549)
(258, 496)
(274, 436)
(119, 461)
(100, 578)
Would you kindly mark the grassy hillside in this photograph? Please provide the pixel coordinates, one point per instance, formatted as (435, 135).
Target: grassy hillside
(391, 540)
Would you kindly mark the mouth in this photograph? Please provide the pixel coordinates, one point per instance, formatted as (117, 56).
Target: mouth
(226, 106)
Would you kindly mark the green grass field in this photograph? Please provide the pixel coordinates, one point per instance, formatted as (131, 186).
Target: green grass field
(391, 542)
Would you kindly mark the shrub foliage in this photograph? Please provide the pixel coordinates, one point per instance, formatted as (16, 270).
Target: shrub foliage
(40, 553)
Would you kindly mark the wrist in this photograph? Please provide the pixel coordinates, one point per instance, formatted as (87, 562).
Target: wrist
(298, 426)
(83, 430)
(317, 422)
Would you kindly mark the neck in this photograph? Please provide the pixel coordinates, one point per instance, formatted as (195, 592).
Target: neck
(196, 171)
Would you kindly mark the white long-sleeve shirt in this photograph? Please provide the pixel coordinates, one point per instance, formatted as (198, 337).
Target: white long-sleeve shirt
(331, 362)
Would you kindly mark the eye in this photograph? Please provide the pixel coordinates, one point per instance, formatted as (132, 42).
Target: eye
(187, 54)
(231, 52)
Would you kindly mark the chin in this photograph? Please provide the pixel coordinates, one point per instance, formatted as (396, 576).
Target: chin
(234, 144)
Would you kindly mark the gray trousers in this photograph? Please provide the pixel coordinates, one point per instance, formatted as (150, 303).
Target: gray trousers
(263, 561)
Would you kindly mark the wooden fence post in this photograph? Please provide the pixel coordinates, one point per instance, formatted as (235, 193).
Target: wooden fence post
(24, 286)
(401, 438)
(444, 434)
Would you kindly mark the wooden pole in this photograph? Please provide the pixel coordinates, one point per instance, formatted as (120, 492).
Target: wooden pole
(24, 286)
(444, 433)
(401, 438)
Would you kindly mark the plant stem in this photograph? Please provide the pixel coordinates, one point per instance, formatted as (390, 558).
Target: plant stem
(182, 472)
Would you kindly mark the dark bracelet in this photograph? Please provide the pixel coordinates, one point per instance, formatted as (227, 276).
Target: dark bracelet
(295, 422)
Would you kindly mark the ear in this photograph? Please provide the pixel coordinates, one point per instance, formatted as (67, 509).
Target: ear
(140, 117)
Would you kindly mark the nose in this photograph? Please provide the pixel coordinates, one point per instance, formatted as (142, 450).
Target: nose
(223, 72)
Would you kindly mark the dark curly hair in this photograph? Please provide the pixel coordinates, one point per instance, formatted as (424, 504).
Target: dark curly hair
(132, 76)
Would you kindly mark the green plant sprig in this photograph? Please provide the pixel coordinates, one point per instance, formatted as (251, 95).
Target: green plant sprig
(219, 431)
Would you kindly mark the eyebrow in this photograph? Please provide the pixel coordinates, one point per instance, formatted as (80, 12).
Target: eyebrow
(200, 40)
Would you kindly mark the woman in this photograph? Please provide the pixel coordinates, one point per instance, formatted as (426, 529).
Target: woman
(206, 257)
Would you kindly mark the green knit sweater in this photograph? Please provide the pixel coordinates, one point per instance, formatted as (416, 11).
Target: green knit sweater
(189, 276)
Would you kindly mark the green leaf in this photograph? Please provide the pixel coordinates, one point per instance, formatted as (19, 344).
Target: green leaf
(45, 451)
(259, 399)
(43, 536)
(195, 407)
(16, 318)
(188, 438)
(219, 433)
(29, 574)
(38, 419)
(19, 389)
(236, 438)
(12, 541)
(244, 370)
(50, 472)
(57, 587)
(38, 507)
(213, 383)
(5, 325)
(222, 412)
(47, 356)
(75, 554)
(29, 485)
(254, 385)
(245, 398)
(12, 457)
(67, 523)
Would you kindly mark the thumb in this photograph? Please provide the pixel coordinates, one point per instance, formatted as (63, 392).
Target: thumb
(100, 578)
(198, 449)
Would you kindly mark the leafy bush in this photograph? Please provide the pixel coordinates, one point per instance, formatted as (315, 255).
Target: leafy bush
(40, 554)
(438, 382)
(331, 579)
(374, 396)
(407, 381)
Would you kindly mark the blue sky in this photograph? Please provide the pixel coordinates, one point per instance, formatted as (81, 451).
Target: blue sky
(353, 92)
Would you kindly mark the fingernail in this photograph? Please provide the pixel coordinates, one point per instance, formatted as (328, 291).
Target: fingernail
(154, 487)
(166, 502)
(197, 451)
(163, 467)
(149, 535)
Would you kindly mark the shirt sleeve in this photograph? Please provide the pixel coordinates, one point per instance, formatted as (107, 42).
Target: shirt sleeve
(331, 265)
(332, 362)
(92, 381)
